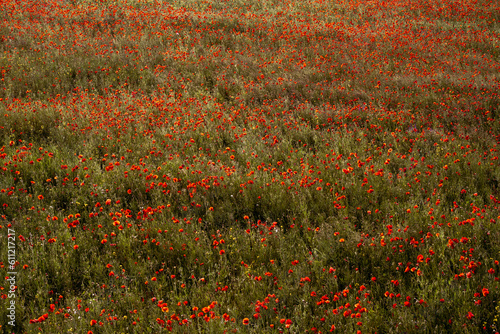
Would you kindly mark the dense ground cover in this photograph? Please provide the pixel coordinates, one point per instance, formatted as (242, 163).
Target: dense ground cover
(250, 166)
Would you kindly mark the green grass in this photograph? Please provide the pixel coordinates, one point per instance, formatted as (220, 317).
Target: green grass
(185, 166)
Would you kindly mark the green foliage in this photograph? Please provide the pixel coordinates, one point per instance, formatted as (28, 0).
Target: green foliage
(185, 166)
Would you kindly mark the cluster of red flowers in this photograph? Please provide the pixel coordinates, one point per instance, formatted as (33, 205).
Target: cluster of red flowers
(331, 157)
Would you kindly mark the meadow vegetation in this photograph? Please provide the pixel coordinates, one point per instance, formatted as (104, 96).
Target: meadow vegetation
(271, 166)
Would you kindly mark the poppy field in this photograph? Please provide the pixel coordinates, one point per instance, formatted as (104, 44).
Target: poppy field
(271, 166)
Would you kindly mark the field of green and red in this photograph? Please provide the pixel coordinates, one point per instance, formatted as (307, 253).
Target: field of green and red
(262, 166)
